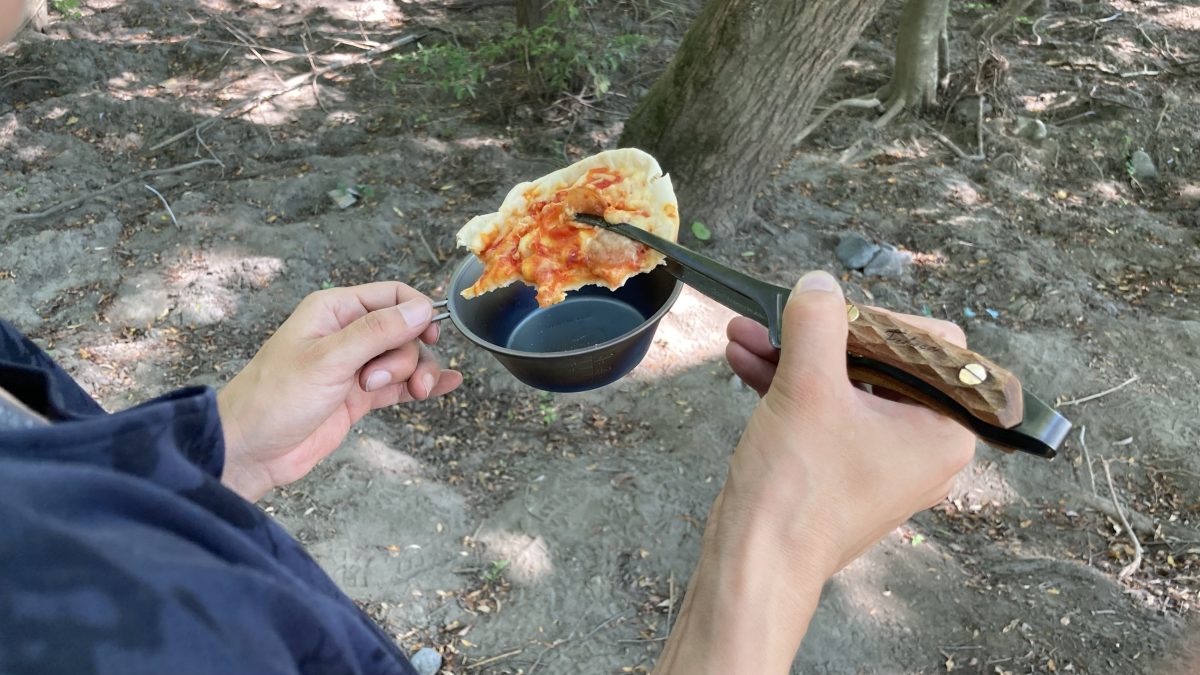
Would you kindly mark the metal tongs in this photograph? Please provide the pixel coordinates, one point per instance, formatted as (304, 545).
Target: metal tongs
(883, 351)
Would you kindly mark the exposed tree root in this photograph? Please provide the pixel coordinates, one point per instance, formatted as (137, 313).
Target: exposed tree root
(840, 105)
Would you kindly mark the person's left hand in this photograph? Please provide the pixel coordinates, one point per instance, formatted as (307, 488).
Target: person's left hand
(342, 353)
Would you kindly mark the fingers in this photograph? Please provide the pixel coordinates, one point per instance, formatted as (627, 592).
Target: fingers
(754, 370)
(431, 334)
(752, 336)
(377, 332)
(814, 336)
(395, 366)
(447, 381)
(424, 376)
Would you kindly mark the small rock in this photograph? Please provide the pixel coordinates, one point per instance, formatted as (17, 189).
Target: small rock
(980, 289)
(1141, 167)
(426, 661)
(854, 251)
(888, 263)
(343, 198)
(1026, 312)
(1034, 130)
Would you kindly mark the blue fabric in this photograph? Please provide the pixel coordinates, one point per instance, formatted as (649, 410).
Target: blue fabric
(121, 552)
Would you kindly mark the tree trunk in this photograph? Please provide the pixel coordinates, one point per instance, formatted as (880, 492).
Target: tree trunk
(531, 13)
(37, 15)
(919, 45)
(740, 87)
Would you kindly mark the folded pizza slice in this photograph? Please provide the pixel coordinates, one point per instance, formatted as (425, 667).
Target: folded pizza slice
(534, 238)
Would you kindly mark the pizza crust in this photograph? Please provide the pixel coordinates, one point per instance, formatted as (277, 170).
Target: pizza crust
(643, 198)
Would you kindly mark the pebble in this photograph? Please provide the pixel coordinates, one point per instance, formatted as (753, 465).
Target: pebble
(888, 263)
(1141, 166)
(980, 289)
(426, 661)
(1034, 130)
(854, 251)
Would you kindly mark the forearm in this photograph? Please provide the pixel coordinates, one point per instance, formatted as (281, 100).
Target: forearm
(749, 601)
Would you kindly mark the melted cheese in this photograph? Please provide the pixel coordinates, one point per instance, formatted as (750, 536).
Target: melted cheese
(534, 238)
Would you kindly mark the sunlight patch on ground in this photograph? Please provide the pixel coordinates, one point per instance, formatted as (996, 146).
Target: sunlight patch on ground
(692, 333)
(381, 457)
(207, 284)
(864, 584)
(962, 192)
(528, 557)
(982, 484)
(1048, 100)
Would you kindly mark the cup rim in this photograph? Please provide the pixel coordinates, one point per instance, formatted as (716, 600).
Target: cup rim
(582, 351)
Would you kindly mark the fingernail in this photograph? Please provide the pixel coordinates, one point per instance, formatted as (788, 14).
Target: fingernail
(427, 381)
(378, 380)
(817, 281)
(416, 312)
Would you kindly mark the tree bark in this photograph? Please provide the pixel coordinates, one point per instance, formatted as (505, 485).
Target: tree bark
(37, 15)
(740, 87)
(531, 13)
(915, 78)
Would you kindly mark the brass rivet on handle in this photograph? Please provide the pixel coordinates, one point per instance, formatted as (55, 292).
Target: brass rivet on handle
(972, 374)
(851, 312)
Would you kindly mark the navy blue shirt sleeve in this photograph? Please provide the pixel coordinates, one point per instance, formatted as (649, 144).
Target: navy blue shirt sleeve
(121, 552)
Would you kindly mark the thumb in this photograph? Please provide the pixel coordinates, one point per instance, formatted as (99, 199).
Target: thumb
(377, 332)
(814, 333)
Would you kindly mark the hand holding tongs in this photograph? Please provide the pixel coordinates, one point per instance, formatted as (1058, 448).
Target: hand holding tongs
(884, 351)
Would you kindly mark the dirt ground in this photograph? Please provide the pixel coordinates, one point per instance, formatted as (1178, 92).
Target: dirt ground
(522, 532)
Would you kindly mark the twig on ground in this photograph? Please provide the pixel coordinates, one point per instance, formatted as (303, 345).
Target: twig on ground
(291, 84)
(472, 5)
(671, 602)
(163, 199)
(1072, 118)
(312, 64)
(207, 149)
(30, 78)
(1093, 397)
(493, 659)
(245, 42)
(562, 641)
(1137, 545)
(954, 148)
(76, 201)
(552, 645)
(1161, 115)
(1087, 457)
(428, 248)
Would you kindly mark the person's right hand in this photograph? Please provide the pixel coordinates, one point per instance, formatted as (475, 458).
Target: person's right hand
(865, 464)
(823, 471)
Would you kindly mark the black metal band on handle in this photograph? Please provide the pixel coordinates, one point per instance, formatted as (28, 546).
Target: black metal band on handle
(750, 297)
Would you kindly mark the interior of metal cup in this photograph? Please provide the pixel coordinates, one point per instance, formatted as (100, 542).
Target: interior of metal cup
(508, 321)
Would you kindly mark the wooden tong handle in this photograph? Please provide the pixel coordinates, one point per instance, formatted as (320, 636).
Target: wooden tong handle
(984, 389)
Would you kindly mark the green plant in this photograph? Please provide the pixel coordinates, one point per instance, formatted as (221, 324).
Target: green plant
(548, 411)
(68, 8)
(558, 56)
(495, 570)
